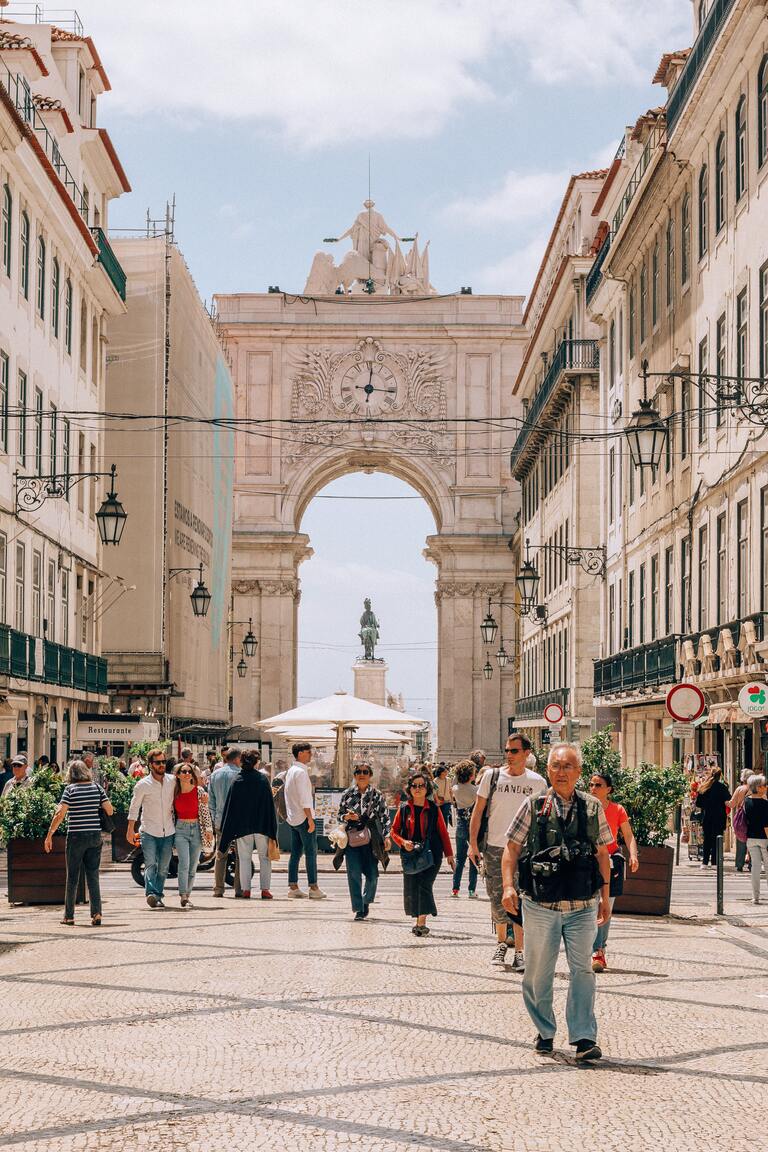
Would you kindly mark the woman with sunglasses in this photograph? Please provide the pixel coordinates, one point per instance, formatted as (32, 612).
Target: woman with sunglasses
(419, 829)
(188, 840)
(601, 787)
(364, 813)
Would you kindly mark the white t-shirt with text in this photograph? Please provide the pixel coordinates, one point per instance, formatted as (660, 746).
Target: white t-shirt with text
(510, 793)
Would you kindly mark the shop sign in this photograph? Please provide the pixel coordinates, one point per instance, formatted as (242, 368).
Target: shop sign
(753, 698)
(682, 731)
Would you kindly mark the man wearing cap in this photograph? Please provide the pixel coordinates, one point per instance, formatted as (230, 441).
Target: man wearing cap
(20, 778)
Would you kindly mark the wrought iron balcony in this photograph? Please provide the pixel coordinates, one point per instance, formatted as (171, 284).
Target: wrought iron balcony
(646, 666)
(532, 707)
(686, 82)
(572, 356)
(110, 262)
(30, 658)
(655, 139)
(595, 274)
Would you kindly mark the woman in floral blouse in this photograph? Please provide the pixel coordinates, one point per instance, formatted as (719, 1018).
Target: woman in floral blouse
(364, 813)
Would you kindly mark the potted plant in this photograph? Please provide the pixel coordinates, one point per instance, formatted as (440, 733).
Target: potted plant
(34, 876)
(650, 795)
(119, 788)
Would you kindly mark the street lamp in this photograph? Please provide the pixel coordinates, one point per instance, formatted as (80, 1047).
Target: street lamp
(242, 668)
(31, 492)
(200, 597)
(487, 668)
(250, 642)
(646, 432)
(111, 517)
(489, 627)
(527, 581)
(502, 658)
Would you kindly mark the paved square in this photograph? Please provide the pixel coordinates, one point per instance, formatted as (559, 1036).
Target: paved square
(254, 1025)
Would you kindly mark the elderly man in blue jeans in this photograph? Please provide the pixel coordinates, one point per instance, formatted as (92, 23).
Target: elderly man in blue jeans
(561, 840)
(219, 787)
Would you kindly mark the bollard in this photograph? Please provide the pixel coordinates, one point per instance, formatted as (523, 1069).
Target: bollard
(678, 832)
(720, 908)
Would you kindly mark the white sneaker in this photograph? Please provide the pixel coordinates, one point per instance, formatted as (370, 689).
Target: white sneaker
(296, 894)
(316, 894)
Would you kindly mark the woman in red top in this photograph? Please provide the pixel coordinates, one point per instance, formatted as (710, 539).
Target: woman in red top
(188, 839)
(601, 787)
(419, 823)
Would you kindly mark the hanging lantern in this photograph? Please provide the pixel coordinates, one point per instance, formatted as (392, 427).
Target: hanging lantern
(111, 517)
(488, 669)
(250, 643)
(502, 659)
(646, 435)
(200, 597)
(489, 627)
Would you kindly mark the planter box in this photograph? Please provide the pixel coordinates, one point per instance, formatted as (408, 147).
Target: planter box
(121, 849)
(649, 891)
(37, 877)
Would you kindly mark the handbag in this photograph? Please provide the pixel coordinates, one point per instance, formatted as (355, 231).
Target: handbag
(106, 821)
(418, 860)
(274, 851)
(618, 868)
(204, 821)
(357, 837)
(739, 823)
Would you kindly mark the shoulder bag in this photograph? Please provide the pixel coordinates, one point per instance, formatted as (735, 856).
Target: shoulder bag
(105, 820)
(482, 836)
(420, 858)
(206, 824)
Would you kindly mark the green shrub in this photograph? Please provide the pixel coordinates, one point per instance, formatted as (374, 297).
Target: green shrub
(650, 795)
(119, 789)
(26, 814)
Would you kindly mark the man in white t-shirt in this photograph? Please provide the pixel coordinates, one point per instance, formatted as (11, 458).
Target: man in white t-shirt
(300, 815)
(502, 791)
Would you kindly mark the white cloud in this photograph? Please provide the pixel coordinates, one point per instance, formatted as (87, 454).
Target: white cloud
(520, 196)
(347, 70)
(516, 272)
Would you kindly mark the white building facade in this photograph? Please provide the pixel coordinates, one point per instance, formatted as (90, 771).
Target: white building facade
(59, 282)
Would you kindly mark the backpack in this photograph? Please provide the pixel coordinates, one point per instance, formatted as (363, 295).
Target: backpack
(739, 823)
(278, 792)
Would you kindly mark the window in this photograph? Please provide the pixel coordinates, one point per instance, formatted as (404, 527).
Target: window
(685, 417)
(24, 255)
(81, 468)
(37, 594)
(20, 585)
(41, 277)
(611, 617)
(611, 485)
(655, 285)
(83, 335)
(643, 303)
(762, 113)
(685, 584)
(669, 444)
(703, 211)
(65, 607)
(68, 316)
(65, 449)
(740, 126)
(38, 432)
(621, 339)
(55, 295)
(685, 239)
(3, 575)
(742, 558)
(612, 354)
(654, 597)
(702, 12)
(764, 549)
(53, 433)
(742, 337)
(7, 232)
(80, 91)
(670, 243)
(721, 366)
(631, 322)
(720, 179)
(22, 417)
(703, 577)
(641, 607)
(669, 590)
(632, 469)
(50, 602)
(631, 610)
(95, 351)
(5, 368)
(721, 580)
(703, 369)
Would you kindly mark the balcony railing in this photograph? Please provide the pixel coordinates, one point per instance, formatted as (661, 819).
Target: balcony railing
(595, 274)
(734, 627)
(110, 262)
(532, 707)
(30, 658)
(20, 93)
(646, 666)
(699, 53)
(571, 356)
(655, 138)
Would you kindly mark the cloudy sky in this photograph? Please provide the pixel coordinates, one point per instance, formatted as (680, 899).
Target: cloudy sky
(261, 116)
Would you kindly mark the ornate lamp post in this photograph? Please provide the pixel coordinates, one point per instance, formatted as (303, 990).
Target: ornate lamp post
(31, 492)
(646, 432)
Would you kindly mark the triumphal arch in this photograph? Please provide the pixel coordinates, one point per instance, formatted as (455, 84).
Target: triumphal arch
(371, 369)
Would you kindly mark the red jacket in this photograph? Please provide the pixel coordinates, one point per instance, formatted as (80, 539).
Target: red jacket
(410, 833)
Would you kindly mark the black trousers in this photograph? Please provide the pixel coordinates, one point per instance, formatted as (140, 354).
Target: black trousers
(83, 851)
(709, 844)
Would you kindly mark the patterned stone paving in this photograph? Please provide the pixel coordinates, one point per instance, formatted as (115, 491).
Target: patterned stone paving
(241, 1025)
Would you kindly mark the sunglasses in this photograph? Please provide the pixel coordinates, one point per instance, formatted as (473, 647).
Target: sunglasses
(417, 787)
(157, 761)
(514, 751)
(185, 772)
(363, 772)
(598, 784)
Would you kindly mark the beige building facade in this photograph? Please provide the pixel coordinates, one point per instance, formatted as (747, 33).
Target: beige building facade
(682, 283)
(60, 284)
(439, 369)
(166, 364)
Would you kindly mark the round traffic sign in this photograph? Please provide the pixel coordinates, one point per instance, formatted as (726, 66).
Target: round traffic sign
(553, 713)
(685, 702)
(753, 698)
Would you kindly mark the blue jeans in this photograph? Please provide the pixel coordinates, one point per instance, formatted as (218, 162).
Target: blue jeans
(303, 843)
(545, 928)
(157, 856)
(188, 843)
(601, 939)
(245, 849)
(462, 848)
(361, 862)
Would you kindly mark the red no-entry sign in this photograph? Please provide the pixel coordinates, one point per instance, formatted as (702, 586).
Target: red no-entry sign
(685, 703)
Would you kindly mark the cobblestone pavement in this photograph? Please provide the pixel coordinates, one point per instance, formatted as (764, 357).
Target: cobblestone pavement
(278, 1025)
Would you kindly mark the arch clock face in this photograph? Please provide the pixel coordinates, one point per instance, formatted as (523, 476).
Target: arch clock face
(370, 390)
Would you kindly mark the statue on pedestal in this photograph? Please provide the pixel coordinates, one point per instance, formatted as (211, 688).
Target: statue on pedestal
(369, 631)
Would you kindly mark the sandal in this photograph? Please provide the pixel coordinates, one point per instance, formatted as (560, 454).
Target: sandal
(96, 920)
(71, 923)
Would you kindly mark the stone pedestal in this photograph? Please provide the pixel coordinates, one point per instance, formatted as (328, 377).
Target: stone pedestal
(370, 680)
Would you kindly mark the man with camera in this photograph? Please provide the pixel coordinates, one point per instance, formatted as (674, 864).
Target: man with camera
(560, 842)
